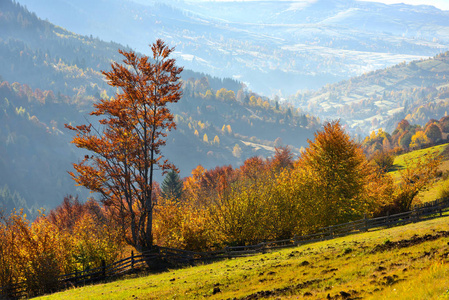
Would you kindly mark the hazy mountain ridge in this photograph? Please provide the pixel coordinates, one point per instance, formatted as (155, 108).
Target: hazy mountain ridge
(417, 91)
(58, 80)
(280, 46)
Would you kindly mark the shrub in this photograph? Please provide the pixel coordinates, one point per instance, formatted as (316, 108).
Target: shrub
(444, 190)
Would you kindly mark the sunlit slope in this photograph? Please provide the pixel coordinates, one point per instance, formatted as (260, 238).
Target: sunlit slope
(409, 262)
(432, 192)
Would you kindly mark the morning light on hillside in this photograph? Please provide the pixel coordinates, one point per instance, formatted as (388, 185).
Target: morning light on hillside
(224, 149)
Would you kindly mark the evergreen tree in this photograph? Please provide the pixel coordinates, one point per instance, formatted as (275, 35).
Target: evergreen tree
(172, 186)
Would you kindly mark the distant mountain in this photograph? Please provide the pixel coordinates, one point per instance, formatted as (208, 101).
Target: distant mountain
(58, 77)
(272, 46)
(417, 91)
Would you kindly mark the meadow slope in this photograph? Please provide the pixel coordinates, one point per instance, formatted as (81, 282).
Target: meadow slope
(408, 262)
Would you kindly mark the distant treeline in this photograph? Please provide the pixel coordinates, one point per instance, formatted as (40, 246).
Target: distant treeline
(407, 136)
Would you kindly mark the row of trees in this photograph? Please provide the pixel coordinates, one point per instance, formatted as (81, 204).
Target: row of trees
(330, 183)
(263, 199)
(73, 237)
(407, 136)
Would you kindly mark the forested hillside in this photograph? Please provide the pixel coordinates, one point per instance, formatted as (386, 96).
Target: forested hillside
(417, 91)
(280, 47)
(34, 152)
(50, 77)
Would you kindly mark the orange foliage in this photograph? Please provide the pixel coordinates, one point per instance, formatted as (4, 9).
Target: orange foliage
(252, 168)
(283, 159)
(268, 199)
(183, 226)
(127, 151)
(74, 237)
(34, 254)
(343, 174)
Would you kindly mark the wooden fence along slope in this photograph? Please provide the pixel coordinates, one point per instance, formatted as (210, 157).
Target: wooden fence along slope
(178, 257)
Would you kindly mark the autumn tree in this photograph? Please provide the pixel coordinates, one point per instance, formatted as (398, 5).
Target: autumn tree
(419, 139)
(184, 226)
(191, 185)
(341, 174)
(237, 151)
(67, 214)
(32, 254)
(383, 159)
(94, 235)
(252, 168)
(417, 175)
(283, 158)
(127, 149)
(433, 133)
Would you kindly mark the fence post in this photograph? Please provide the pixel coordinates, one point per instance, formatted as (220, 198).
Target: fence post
(331, 232)
(388, 219)
(365, 219)
(132, 260)
(103, 268)
(228, 254)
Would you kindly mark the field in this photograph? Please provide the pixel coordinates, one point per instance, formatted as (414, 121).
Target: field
(408, 262)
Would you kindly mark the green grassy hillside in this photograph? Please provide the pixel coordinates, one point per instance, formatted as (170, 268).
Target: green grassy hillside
(409, 262)
(402, 161)
(432, 192)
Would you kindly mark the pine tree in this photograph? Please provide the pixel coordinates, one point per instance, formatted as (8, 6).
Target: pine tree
(172, 186)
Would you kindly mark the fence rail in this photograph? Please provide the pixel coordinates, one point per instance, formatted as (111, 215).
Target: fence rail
(175, 257)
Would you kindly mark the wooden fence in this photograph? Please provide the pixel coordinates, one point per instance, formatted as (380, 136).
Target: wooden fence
(177, 257)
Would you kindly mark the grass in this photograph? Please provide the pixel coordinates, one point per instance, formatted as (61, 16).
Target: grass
(433, 283)
(401, 161)
(432, 192)
(408, 262)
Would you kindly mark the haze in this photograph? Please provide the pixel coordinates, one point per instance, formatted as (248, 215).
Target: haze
(441, 4)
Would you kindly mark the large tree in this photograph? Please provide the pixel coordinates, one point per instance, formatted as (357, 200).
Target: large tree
(348, 185)
(127, 149)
